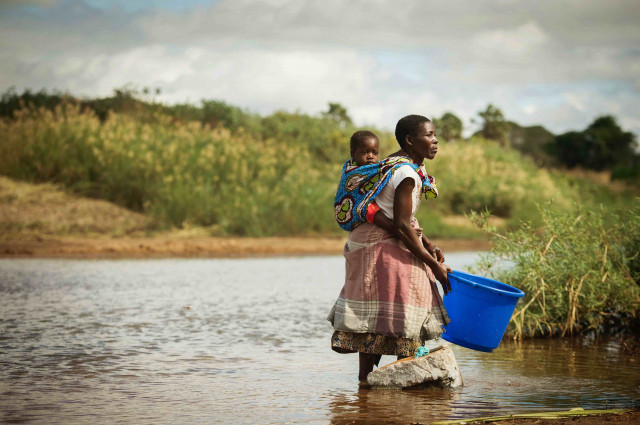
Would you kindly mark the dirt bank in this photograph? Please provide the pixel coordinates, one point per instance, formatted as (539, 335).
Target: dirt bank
(632, 418)
(44, 221)
(206, 247)
(625, 418)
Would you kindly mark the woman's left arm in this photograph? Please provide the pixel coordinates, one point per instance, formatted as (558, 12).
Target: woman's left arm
(402, 209)
(432, 249)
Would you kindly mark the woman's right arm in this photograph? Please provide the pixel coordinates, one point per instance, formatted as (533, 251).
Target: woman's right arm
(402, 208)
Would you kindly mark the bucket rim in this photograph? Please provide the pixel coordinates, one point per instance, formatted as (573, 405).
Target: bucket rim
(461, 276)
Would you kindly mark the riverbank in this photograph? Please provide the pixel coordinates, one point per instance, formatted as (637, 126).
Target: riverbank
(44, 221)
(631, 417)
(180, 246)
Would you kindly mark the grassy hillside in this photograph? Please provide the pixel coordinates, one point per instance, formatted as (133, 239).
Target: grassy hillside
(274, 175)
(531, 141)
(44, 209)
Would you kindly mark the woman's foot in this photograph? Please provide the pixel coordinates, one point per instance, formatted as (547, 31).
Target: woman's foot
(364, 385)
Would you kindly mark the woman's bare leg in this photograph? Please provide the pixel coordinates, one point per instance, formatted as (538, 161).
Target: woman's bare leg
(367, 362)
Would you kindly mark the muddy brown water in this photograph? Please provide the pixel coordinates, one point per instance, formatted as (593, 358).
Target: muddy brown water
(246, 341)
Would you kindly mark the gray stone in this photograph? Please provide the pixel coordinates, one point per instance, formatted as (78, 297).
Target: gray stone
(438, 368)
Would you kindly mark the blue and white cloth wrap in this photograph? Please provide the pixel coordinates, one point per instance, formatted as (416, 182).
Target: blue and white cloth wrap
(360, 185)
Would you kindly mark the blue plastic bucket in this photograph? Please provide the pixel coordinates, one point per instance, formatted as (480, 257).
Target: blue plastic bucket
(479, 309)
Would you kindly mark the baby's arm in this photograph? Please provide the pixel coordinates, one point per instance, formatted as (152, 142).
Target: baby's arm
(381, 220)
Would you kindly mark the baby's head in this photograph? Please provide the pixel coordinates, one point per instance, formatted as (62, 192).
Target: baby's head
(364, 147)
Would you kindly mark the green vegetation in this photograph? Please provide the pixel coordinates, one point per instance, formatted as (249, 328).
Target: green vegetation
(178, 173)
(449, 127)
(235, 172)
(579, 273)
(494, 125)
(228, 171)
(603, 145)
(532, 141)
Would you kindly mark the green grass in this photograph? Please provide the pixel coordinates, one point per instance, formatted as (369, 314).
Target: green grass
(273, 175)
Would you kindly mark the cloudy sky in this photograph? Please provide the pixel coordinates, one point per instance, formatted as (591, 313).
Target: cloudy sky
(559, 63)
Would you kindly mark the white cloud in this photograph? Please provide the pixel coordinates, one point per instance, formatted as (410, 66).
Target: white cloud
(381, 59)
(42, 3)
(519, 42)
(575, 100)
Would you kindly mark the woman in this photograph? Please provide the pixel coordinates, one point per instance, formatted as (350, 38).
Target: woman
(390, 303)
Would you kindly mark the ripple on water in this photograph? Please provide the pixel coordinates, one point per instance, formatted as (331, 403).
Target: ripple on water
(84, 341)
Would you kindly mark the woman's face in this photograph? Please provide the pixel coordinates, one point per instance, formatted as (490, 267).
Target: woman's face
(424, 141)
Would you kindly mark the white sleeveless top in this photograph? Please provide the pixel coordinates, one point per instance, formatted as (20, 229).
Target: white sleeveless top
(387, 194)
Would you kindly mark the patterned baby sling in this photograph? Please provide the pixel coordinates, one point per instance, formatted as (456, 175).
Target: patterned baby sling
(360, 185)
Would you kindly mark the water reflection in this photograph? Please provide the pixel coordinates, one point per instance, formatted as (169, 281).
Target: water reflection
(246, 341)
(393, 406)
(518, 377)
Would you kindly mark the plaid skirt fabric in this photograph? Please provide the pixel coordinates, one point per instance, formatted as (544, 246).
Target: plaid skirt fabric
(387, 290)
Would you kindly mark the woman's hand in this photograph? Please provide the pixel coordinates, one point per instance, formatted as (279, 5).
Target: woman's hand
(439, 255)
(440, 273)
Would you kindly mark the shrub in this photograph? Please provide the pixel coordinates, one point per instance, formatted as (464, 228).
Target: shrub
(578, 274)
(177, 172)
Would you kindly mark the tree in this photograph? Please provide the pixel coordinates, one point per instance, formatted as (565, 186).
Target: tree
(568, 148)
(448, 127)
(338, 113)
(603, 145)
(494, 126)
(216, 112)
(612, 146)
(10, 101)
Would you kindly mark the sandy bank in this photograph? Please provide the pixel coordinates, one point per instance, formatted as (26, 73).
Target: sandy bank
(44, 221)
(205, 247)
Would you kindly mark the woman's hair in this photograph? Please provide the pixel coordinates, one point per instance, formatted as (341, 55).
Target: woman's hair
(360, 136)
(408, 126)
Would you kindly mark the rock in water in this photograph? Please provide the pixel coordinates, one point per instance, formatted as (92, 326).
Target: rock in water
(438, 368)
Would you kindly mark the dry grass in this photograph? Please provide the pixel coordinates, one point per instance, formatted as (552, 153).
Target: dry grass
(27, 210)
(462, 221)
(41, 220)
(601, 178)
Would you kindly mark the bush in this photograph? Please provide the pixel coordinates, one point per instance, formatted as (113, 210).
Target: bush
(578, 275)
(178, 173)
(242, 174)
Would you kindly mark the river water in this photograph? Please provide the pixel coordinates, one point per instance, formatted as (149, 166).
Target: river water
(246, 341)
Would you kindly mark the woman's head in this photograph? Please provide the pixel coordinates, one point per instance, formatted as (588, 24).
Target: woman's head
(417, 137)
(409, 126)
(364, 147)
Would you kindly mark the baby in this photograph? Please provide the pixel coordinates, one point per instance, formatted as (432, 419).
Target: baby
(364, 146)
